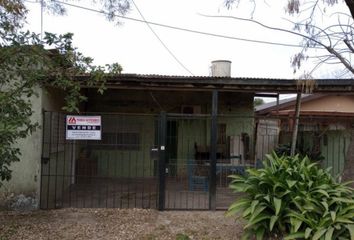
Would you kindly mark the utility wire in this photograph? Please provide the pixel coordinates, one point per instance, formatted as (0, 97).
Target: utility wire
(160, 40)
(186, 29)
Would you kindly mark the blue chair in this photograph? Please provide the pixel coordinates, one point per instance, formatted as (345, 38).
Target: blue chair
(259, 164)
(196, 182)
(238, 170)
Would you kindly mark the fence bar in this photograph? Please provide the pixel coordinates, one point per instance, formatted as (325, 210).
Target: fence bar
(213, 150)
(162, 160)
(43, 157)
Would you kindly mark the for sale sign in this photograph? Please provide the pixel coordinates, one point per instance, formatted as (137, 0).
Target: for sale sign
(83, 127)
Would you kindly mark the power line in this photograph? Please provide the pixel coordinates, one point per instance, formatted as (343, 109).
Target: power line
(160, 40)
(185, 29)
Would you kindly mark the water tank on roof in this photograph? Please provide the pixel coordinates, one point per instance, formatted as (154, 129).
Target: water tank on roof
(221, 68)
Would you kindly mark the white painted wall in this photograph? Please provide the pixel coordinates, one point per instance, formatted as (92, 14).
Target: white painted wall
(26, 173)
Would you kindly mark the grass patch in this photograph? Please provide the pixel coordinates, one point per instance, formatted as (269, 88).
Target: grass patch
(181, 236)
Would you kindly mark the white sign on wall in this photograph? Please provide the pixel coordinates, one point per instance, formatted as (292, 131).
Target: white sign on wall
(83, 127)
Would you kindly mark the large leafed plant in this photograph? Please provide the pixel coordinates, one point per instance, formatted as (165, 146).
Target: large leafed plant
(293, 198)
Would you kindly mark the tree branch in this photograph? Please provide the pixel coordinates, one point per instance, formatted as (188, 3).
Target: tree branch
(329, 48)
(350, 4)
(346, 41)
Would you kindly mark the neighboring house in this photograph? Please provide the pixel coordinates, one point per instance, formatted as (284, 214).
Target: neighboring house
(160, 139)
(325, 126)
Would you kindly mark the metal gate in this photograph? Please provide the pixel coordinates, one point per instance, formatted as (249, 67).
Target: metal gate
(186, 174)
(119, 171)
(165, 161)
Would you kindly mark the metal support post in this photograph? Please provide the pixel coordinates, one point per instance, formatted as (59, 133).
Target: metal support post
(162, 160)
(213, 151)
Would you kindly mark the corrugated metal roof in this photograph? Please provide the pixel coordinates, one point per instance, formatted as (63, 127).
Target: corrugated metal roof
(153, 81)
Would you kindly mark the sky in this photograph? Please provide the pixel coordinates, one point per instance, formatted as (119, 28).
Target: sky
(134, 46)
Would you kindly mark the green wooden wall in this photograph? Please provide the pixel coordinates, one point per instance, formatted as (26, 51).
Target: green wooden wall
(333, 149)
(127, 162)
(139, 163)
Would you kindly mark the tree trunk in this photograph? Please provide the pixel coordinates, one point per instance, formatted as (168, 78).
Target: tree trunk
(350, 4)
(296, 124)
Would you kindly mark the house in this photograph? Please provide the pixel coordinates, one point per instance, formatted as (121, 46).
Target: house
(150, 141)
(325, 126)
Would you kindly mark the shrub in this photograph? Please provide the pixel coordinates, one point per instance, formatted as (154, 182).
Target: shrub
(293, 198)
(311, 153)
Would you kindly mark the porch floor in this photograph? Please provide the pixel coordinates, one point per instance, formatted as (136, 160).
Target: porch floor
(132, 193)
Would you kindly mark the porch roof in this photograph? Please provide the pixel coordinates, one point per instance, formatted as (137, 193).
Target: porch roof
(208, 83)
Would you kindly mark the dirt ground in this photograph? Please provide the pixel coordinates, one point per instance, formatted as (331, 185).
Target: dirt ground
(118, 224)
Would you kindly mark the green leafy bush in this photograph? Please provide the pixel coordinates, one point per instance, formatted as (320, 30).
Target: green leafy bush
(311, 153)
(293, 198)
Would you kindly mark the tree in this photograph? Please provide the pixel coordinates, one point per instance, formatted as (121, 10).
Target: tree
(350, 4)
(111, 7)
(293, 6)
(335, 38)
(27, 63)
(258, 101)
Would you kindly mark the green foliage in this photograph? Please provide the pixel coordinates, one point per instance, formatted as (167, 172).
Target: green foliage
(292, 198)
(113, 8)
(258, 101)
(181, 236)
(284, 149)
(27, 64)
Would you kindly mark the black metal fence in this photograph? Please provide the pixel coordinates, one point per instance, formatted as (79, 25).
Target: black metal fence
(120, 170)
(164, 161)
